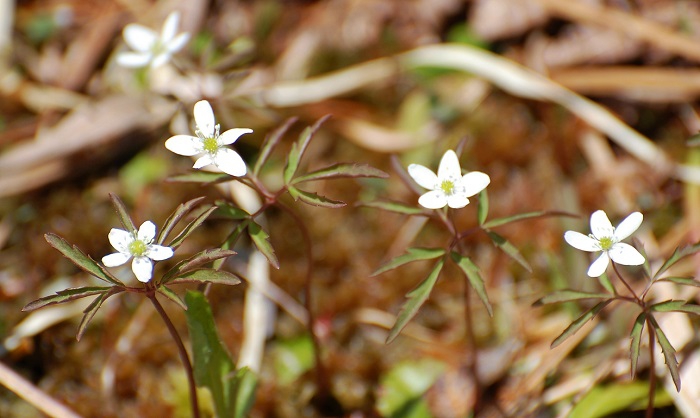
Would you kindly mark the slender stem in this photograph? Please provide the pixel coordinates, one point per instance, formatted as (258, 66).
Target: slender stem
(652, 371)
(639, 301)
(181, 350)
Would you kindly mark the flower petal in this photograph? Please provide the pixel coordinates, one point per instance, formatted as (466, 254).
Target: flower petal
(626, 254)
(147, 231)
(142, 268)
(600, 225)
(133, 59)
(581, 242)
(449, 166)
(232, 135)
(159, 252)
(177, 43)
(139, 38)
(115, 259)
(423, 176)
(204, 118)
(230, 162)
(457, 201)
(599, 266)
(203, 161)
(160, 59)
(170, 27)
(435, 199)
(120, 240)
(628, 226)
(474, 182)
(184, 145)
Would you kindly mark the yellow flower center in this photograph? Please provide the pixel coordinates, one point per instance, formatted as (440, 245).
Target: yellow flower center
(138, 248)
(605, 243)
(447, 186)
(210, 145)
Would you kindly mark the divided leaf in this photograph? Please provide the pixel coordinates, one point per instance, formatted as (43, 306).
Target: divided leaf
(412, 254)
(669, 353)
(313, 199)
(474, 276)
(342, 171)
(123, 214)
(684, 281)
(92, 309)
(195, 261)
(482, 210)
(298, 149)
(567, 295)
(677, 255)
(676, 306)
(580, 322)
(175, 217)
(261, 239)
(509, 249)
(227, 210)
(523, 216)
(271, 141)
(394, 207)
(636, 336)
(81, 260)
(204, 177)
(67, 295)
(191, 227)
(207, 276)
(170, 294)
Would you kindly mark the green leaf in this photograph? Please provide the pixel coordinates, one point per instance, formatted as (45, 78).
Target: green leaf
(213, 367)
(483, 207)
(416, 299)
(636, 336)
(205, 177)
(402, 388)
(291, 358)
(298, 149)
(123, 214)
(523, 216)
(175, 217)
(474, 276)
(262, 241)
(207, 275)
(567, 295)
(195, 261)
(191, 227)
(168, 293)
(81, 260)
(580, 322)
(412, 254)
(227, 210)
(509, 249)
(313, 199)
(342, 171)
(394, 207)
(618, 400)
(604, 281)
(677, 255)
(270, 143)
(67, 295)
(669, 353)
(92, 309)
(676, 306)
(684, 281)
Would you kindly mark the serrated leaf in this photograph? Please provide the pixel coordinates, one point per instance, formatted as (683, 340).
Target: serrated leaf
(92, 309)
(207, 275)
(227, 210)
(636, 336)
(677, 255)
(191, 227)
(669, 353)
(509, 249)
(580, 322)
(204, 177)
(175, 217)
(482, 210)
(523, 216)
(313, 199)
(81, 260)
(170, 294)
(412, 254)
(270, 143)
(474, 276)
(298, 149)
(261, 239)
(416, 299)
(394, 207)
(123, 214)
(567, 295)
(676, 306)
(341, 171)
(67, 295)
(685, 281)
(195, 261)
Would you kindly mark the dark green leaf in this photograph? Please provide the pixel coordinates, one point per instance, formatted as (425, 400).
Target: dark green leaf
(636, 336)
(175, 217)
(168, 293)
(474, 277)
(246, 383)
(227, 210)
(191, 227)
(412, 254)
(669, 353)
(313, 199)
(416, 299)
(509, 249)
(685, 281)
(678, 254)
(580, 322)
(523, 216)
(394, 207)
(195, 261)
(81, 260)
(205, 177)
(298, 149)
(270, 143)
(92, 309)
(262, 241)
(567, 295)
(676, 306)
(66, 295)
(342, 171)
(207, 275)
(123, 214)
(483, 208)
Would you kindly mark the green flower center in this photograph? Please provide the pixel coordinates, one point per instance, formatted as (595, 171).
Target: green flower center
(606, 243)
(138, 248)
(447, 186)
(210, 145)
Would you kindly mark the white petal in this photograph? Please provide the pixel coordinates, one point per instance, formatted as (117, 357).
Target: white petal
(160, 59)
(159, 252)
(581, 242)
(203, 161)
(142, 268)
(457, 201)
(449, 166)
(184, 145)
(170, 27)
(139, 38)
(600, 225)
(115, 259)
(232, 135)
(628, 226)
(230, 162)
(626, 254)
(474, 182)
(133, 59)
(147, 231)
(177, 43)
(204, 118)
(423, 176)
(598, 267)
(433, 200)
(120, 240)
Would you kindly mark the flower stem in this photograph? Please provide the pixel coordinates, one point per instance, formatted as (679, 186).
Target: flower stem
(181, 350)
(639, 301)
(652, 371)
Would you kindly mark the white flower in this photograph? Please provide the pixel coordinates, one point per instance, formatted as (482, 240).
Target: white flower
(152, 48)
(448, 187)
(138, 245)
(209, 142)
(607, 239)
